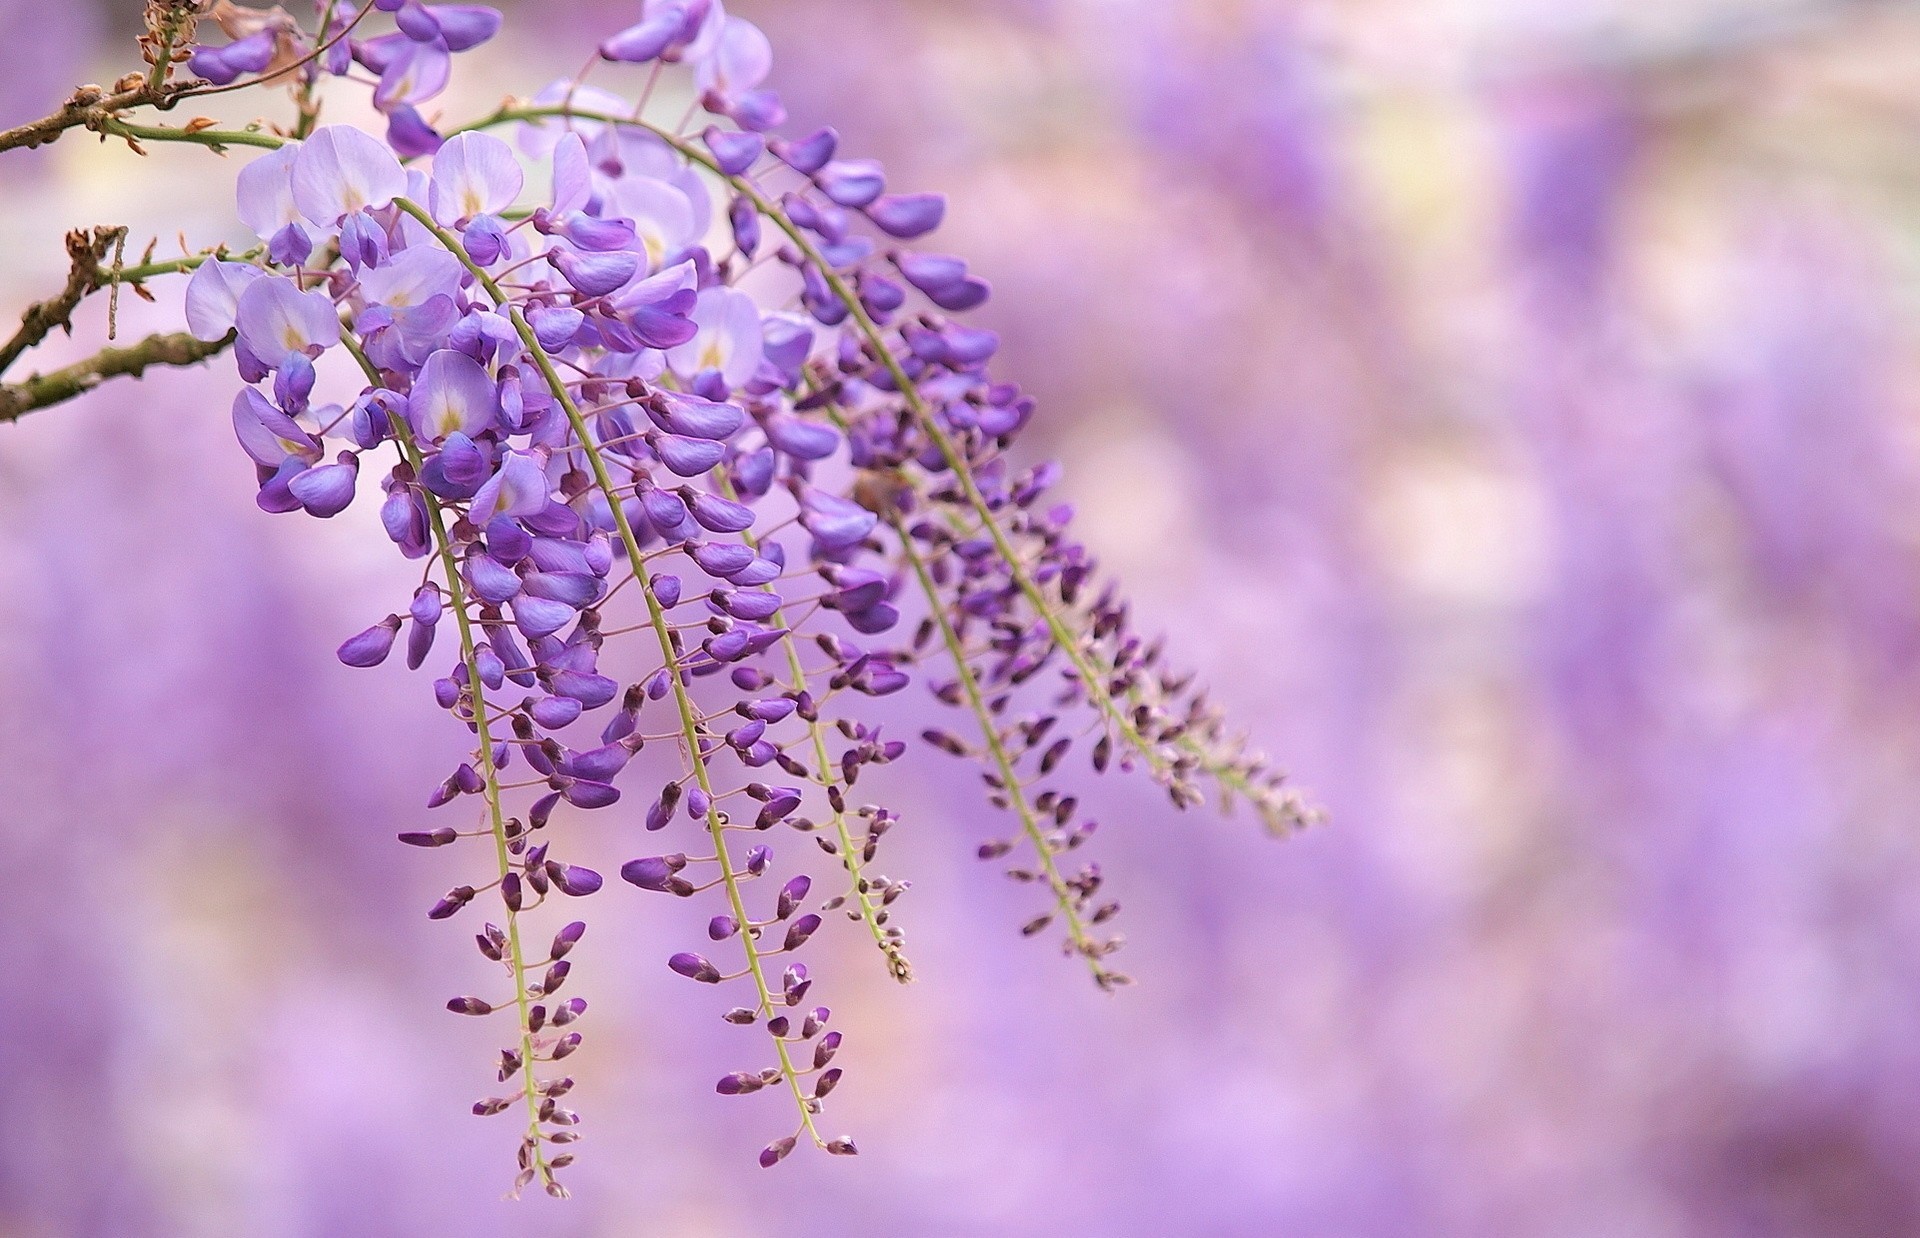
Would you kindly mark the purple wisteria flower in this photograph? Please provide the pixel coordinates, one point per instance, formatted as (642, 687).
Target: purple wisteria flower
(693, 395)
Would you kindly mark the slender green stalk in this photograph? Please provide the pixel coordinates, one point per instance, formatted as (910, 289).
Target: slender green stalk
(304, 96)
(1063, 893)
(489, 772)
(689, 715)
(897, 965)
(216, 140)
(1093, 678)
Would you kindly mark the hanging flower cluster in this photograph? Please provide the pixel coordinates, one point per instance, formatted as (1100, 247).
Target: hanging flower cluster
(694, 393)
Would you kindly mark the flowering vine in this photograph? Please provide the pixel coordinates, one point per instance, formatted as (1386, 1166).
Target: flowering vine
(688, 387)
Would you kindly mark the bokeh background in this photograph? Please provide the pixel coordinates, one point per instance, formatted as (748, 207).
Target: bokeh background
(1511, 406)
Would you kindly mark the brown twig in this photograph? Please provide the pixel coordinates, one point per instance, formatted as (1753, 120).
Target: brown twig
(85, 252)
(42, 390)
(170, 25)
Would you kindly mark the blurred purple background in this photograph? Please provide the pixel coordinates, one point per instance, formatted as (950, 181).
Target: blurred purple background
(1509, 405)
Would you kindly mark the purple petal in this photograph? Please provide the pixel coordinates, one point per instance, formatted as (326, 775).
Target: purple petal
(263, 191)
(213, 295)
(473, 174)
(327, 490)
(452, 394)
(341, 169)
(275, 318)
(520, 488)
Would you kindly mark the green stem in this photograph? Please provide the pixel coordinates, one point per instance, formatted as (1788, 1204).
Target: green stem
(216, 140)
(308, 109)
(1091, 677)
(173, 266)
(1063, 894)
(897, 965)
(689, 726)
(489, 772)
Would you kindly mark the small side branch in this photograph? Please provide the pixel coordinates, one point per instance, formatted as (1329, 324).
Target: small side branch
(85, 252)
(89, 108)
(42, 390)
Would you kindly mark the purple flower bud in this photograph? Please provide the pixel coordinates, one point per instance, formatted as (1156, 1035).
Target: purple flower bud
(688, 457)
(800, 930)
(790, 896)
(327, 490)
(646, 39)
(757, 860)
(464, 26)
(717, 514)
(590, 690)
(808, 154)
(429, 838)
(455, 899)
(852, 182)
(223, 65)
(744, 218)
(573, 879)
(583, 794)
(759, 110)
(695, 417)
(370, 648)
(566, 938)
(931, 273)
(754, 605)
(963, 296)
(739, 1083)
(836, 523)
(774, 1152)
(649, 873)
(594, 274)
(554, 712)
(409, 134)
(908, 215)
(469, 1005)
(722, 927)
(693, 967)
(735, 152)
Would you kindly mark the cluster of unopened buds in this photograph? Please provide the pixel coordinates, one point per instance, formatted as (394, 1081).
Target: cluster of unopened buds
(681, 424)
